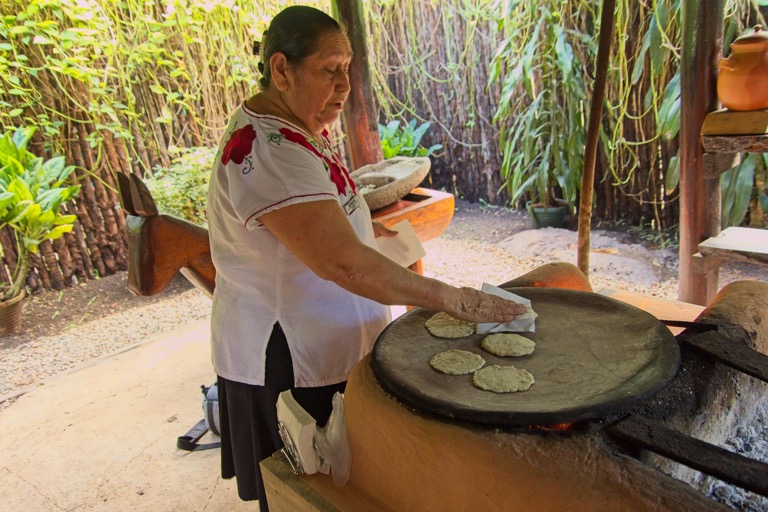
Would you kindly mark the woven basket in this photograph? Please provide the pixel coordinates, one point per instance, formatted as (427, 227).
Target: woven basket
(10, 314)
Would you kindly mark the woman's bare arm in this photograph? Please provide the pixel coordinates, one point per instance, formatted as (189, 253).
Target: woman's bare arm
(319, 234)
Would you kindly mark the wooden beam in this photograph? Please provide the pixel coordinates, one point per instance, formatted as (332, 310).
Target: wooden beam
(712, 460)
(700, 207)
(360, 112)
(593, 134)
(701, 264)
(729, 352)
(735, 143)
(715, 164)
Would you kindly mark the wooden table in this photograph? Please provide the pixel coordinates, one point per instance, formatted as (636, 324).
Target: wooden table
(429, 212)
(744, 244)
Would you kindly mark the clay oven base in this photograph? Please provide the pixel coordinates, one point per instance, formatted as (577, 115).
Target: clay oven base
(402, 460)
(412, 462)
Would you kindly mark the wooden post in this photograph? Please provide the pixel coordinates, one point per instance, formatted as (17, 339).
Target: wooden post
(700, 206)
(593, 134)
(360, 120)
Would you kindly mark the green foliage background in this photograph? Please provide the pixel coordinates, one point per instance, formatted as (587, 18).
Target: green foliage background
(504, 84)
(182, 188)
(152, 74)
(538, 89)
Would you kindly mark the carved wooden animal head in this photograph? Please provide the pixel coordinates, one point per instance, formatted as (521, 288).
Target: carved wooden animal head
(159, 246)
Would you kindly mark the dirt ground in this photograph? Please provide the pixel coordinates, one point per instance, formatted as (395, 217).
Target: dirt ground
(52, 312)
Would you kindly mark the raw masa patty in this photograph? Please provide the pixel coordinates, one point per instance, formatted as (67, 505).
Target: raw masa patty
(444, 325)
(456, 362)
(502, 379)
(507, 344)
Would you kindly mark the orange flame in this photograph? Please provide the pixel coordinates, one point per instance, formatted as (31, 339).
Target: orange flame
(559, 427)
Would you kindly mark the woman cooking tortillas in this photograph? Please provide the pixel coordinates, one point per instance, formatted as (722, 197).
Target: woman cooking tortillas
(301, 292)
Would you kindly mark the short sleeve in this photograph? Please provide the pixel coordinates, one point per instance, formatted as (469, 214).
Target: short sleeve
(268, 167)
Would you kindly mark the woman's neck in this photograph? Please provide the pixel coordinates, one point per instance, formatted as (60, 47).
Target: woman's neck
(272, 103)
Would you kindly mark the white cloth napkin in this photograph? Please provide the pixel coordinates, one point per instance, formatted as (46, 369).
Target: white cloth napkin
(521, 323)
(405, 248)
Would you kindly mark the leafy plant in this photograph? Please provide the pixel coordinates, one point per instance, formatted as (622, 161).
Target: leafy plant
(32, 192)
(182, 189)
(541, 112)
(405, 140)
(736, 186)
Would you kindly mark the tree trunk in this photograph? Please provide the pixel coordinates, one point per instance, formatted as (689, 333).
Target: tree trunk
(360, 110)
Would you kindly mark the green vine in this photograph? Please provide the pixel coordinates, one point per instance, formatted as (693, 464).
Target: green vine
(167, 72)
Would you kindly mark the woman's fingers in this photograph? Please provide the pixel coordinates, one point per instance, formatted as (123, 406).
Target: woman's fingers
(477, 306)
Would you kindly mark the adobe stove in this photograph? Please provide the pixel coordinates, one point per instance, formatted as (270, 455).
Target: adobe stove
(616, 397)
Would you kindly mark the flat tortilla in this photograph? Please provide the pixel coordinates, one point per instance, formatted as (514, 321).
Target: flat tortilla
(507, 344)
(502, 379)
(456, 362)
(444, 325)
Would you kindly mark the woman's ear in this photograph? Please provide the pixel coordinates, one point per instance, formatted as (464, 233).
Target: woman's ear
(278, 64)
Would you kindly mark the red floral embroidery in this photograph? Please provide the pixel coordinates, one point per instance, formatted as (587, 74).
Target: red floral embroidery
(239, 145)
(343, 169)
(299, 139)
(339, 175)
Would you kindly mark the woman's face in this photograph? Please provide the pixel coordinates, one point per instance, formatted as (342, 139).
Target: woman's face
(316, 89)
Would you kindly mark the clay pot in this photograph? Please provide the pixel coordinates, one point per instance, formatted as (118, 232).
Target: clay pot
(742, 83)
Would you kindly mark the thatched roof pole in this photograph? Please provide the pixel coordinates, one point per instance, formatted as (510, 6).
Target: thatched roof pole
(593, 133)
(700, 208)
(360, 119)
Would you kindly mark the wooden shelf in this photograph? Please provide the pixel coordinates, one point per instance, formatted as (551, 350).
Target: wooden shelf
(735, 143)
(732, 122)
(742, 244)
(726, 133)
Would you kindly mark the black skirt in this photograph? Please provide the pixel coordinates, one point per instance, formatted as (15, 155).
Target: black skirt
(248, 417)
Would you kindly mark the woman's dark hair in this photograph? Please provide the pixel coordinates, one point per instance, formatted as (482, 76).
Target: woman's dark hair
(294, 31)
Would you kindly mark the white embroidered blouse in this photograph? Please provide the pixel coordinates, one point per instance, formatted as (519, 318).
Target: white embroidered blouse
(266, 163)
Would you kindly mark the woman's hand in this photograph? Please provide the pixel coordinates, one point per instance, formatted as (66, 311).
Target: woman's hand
(380, 229)
(476, 306)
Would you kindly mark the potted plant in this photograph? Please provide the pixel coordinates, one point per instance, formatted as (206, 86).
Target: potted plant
(404, 141)
(541, 113)
(32, 192)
